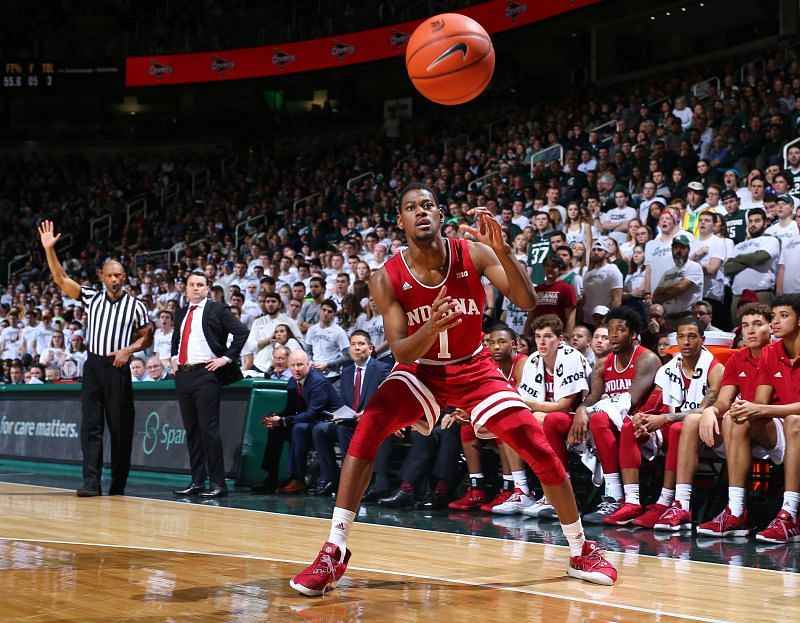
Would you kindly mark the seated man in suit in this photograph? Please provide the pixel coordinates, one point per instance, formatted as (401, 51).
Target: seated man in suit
(359, 381)
(279, 370)
(308, 396)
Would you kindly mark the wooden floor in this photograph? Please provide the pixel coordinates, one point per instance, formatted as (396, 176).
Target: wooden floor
(110, 559)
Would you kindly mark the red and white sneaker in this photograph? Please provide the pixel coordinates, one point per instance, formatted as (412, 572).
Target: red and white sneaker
(783, 529)
(650, 516)
(474, 498)
(592, 566)
(500, 498)
(624, 515)
(724, 525)
(674, 519)
(322, 574)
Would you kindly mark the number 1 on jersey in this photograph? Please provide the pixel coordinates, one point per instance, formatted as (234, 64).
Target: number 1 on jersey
(444, 346)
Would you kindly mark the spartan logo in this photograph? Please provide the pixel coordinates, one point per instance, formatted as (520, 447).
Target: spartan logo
(461, 46)
(398, 38)
(158, 70)
(515, 9)
(282, 59)
(220, 65)
(339, 50)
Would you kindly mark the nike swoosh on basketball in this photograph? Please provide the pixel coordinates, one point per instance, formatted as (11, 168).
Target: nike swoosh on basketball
(461, 46)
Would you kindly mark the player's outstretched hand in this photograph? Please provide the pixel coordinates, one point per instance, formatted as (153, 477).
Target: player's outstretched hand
(443, 312)
(48, 238)
(488, 230)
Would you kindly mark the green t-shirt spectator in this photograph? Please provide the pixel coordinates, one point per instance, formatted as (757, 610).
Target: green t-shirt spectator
(737, 225)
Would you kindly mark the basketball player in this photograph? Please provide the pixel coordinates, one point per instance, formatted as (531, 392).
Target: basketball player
(432, 299)
(515, 493)
(626, 376)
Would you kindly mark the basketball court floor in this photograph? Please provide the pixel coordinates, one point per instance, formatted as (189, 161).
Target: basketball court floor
(146, 557)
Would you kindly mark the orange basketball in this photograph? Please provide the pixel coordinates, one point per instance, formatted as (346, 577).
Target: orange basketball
(450, 59)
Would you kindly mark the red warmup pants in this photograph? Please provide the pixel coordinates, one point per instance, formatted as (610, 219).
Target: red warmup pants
(556, 429)
(630, 455)
(413, 394)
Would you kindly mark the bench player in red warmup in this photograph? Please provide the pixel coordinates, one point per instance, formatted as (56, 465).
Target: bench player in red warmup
(432, 300)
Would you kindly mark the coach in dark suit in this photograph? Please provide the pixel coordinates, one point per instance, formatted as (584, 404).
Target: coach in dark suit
(359, 382)
(205, 364)
(309, 395)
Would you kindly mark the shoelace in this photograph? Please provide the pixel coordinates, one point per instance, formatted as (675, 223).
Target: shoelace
(779, 523)
(595, 558)
(543, 502)
(607, 508)
(671, 512)
(722, 517)
(329, 568)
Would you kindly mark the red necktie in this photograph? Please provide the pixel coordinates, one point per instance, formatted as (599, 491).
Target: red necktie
(183, 354)
(357, 390)
(301, 402)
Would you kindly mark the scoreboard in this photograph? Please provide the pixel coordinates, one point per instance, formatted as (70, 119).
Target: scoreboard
(60, 75)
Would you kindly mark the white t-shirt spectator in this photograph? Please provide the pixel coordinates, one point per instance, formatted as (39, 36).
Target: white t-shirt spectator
(790, 260)
(761, 277)
(658, 256)
(11, 340)
(597, 286)
(613, 218)
(684, 301)
(713, 285)
(326, 343)
(784, 234)
(162, 343)
(43, 338)
(515, 317)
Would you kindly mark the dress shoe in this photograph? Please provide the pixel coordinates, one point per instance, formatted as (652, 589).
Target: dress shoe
(373, 494)
(193, 489)
(268, 486)
(88, 492)
(293, 486)
(432, 501)
(325, 488)
(215, 491)
(399, 499)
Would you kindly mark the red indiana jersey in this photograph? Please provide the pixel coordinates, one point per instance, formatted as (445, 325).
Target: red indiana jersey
(463, 285)
(511, 379)
(619, 381)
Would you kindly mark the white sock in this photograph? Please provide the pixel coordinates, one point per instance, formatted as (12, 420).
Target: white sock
(614, 486)
(667, 496)
(575, 537)
(791, 499)
(683, 494)
(478, 475)
(341, 522)
(631, 494)
(736, 500)
(521, 481)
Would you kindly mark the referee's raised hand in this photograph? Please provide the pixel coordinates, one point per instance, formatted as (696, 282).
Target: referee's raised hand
(48, 238)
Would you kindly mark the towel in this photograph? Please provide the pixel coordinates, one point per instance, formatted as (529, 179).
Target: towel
(670, 379)
(570, 375)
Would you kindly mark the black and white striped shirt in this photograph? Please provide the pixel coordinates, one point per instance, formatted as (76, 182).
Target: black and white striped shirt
(111, 324)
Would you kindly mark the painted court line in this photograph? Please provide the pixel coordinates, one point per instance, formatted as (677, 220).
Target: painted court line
(377, 525)
(512, 589)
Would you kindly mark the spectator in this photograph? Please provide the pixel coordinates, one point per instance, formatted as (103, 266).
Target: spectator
(279, 370)
(658, 252)
(754, 262)
(785, 228)
(600, 344)
(602, 285)
(156, 370)
(55, 353)
(327, 342)
(681, 286)
(262, 333)
(138, 369)
(709, 251)
(162, 337)
(555, 296)
(704, 314)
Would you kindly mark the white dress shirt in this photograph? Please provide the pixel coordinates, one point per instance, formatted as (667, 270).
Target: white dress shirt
(199, 350)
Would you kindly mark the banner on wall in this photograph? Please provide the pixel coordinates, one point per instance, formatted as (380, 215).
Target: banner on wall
(348, 49)
(49, 429)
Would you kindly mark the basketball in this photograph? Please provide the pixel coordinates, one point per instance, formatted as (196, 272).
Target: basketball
(450, 59)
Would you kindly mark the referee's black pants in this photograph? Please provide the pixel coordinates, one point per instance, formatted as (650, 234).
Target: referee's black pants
(106, 398)
(198, 397)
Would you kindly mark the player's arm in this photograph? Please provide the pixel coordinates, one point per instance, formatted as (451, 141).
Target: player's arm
(49, 240)
(495, 259)
(665, 293)
(580, 423)
(645, 374)
(408, 348)
(779, 280)
(742, 410)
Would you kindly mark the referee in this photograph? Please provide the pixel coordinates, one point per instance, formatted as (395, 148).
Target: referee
(117, 327)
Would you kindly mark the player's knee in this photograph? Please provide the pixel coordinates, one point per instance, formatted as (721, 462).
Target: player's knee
(791, 425)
